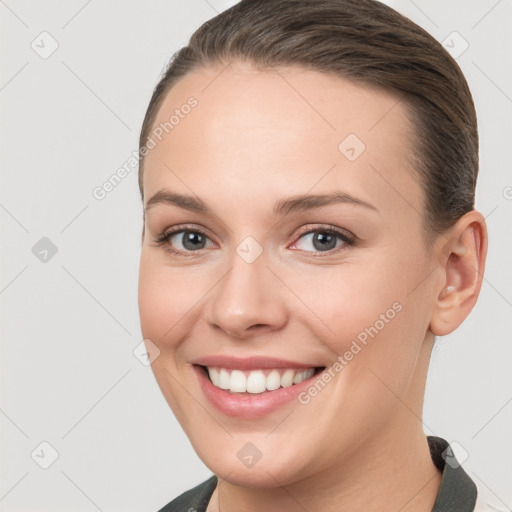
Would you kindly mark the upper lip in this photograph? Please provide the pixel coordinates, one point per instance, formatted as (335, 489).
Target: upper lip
(249, 363)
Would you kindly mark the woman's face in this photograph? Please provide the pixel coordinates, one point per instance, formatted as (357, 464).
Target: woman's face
(298, 234)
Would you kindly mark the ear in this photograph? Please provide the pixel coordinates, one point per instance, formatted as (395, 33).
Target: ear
(462, 259)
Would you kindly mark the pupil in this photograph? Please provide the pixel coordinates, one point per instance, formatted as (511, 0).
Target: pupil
(193, 241)
(324, 241)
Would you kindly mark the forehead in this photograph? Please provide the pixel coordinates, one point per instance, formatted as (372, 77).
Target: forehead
(254, 131)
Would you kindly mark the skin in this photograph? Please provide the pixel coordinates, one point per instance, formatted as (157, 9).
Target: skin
(256, 137)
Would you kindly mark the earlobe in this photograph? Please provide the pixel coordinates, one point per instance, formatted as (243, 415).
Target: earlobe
(463, 262)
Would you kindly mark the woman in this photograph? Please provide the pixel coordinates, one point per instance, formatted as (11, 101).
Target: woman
(308, 176)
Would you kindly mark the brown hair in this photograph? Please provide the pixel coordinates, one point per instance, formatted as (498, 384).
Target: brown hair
(367, 42)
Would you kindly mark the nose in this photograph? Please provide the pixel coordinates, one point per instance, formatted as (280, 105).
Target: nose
(248, 300)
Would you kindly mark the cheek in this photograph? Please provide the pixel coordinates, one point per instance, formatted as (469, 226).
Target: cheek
(374, 332)
(340, 302)
(166, 297)
(367, 311)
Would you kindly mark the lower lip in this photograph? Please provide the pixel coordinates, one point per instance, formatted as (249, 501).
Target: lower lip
(249, 406)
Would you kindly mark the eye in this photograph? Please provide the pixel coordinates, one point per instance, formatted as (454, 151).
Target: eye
(323, 240)
(183, 241)
(188, 240)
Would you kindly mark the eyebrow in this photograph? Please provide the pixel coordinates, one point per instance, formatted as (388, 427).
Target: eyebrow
(284, 206)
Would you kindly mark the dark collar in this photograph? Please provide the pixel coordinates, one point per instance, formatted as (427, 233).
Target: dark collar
(456, 494)
(196, 499)
(457, 491)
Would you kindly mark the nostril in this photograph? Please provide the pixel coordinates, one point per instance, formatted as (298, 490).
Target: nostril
(257, 326)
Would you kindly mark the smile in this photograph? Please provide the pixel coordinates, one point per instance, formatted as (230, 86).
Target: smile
(248, 394)
(259, 380)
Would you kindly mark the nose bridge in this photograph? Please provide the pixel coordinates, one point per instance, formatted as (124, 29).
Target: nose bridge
(248, 295)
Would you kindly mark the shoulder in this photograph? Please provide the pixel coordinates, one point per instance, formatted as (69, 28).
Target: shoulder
(195, 499)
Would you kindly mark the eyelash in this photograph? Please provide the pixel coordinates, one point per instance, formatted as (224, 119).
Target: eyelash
(346, 237)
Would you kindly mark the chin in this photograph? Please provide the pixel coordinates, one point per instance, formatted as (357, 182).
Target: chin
(269, 471)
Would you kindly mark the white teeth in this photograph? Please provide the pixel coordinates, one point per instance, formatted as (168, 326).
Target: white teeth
(257, 381)
(214, 375)
(237, 382)
(301, 376)
(223, 382)
(287, 378)
(273, 380)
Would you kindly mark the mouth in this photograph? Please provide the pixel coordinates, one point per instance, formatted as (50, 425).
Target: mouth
(249, 388)
(257, 381)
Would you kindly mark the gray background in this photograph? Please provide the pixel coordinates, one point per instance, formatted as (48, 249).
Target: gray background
(70, 323)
